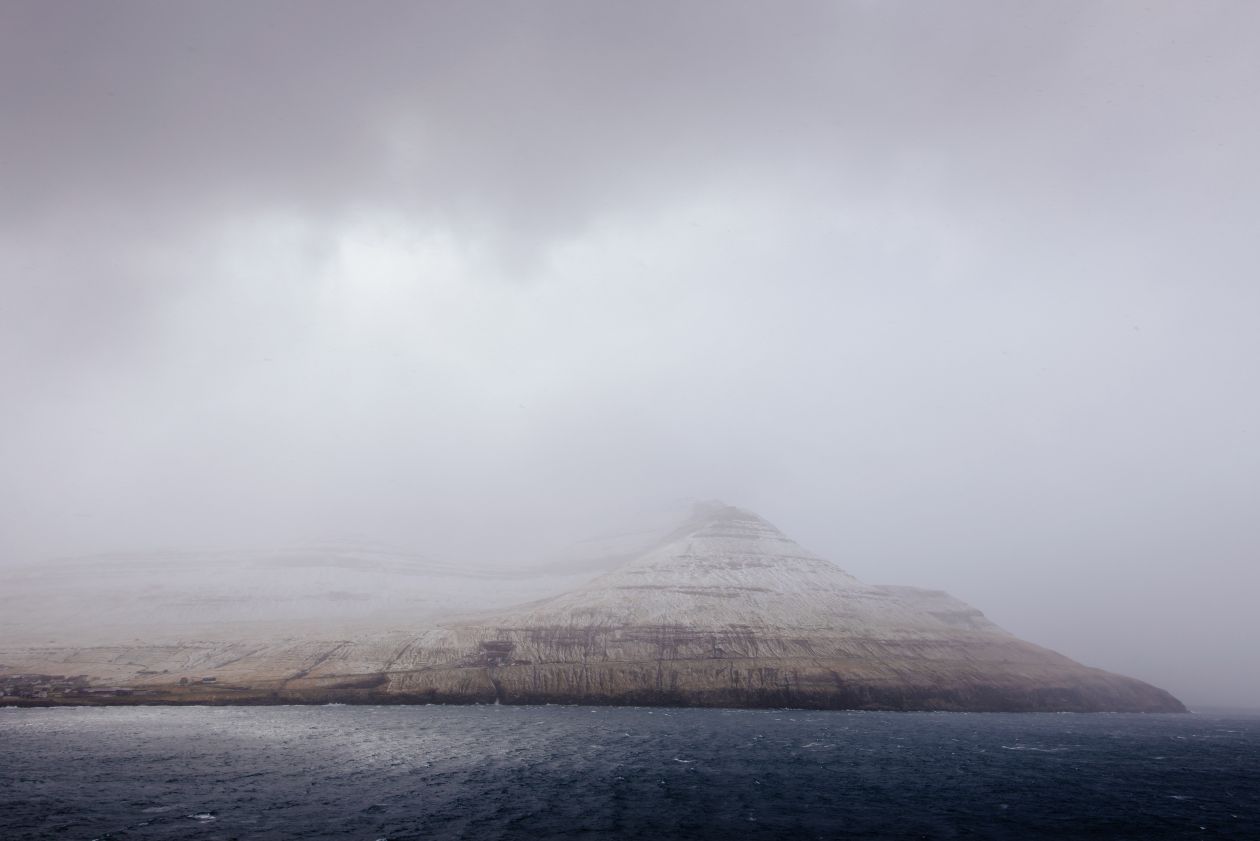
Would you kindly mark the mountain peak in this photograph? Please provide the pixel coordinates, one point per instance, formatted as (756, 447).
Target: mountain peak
(723, 610)
(712, 513)
(717, 521)
(723, 536)
(723, 565)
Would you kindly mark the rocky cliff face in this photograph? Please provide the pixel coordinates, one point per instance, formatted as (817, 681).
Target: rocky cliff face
(724, 611)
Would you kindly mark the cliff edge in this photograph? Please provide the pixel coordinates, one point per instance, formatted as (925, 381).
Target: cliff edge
(724, 611)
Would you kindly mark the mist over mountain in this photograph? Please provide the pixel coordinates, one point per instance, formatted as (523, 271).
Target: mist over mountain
(960, 297)
(723, 609)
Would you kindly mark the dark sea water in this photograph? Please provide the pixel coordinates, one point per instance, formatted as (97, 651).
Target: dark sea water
(574, 772)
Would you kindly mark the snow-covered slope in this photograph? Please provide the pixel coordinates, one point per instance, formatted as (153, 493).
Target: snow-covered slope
(723, 610)
(727, 567)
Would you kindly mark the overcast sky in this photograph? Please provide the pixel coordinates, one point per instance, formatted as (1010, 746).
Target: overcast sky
(961, 295)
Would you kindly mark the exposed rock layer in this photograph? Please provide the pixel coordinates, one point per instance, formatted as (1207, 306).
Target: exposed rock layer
(725, 611)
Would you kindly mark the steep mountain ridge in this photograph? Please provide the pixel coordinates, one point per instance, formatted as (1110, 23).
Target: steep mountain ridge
(729, 567)
(725, 610)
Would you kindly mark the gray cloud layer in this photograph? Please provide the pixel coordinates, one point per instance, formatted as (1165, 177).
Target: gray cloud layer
(960, 295)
